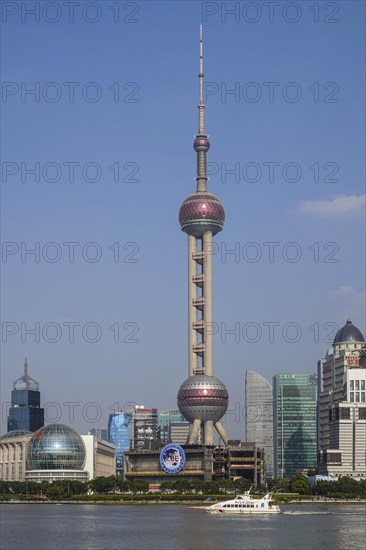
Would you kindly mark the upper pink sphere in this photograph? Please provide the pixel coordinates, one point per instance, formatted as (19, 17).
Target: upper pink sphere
(201, 143)
(201, 212)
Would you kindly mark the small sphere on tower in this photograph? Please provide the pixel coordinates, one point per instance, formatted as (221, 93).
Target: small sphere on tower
(201, 143)
(201, 212)
(203, 397)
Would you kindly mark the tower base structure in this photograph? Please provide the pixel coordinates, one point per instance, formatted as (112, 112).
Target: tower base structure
(234, 461)
(203, 401)
(208, 432)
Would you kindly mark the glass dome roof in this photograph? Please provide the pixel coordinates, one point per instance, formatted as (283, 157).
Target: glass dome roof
(15, 433)
(56, 447)
(348, 333)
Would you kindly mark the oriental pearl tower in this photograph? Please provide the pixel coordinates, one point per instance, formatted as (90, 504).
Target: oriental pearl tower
(202, 398)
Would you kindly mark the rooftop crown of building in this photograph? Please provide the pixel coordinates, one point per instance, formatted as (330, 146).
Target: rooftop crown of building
(26, 382)
(348, 333)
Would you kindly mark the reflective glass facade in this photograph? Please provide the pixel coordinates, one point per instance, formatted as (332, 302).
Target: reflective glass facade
(56, 447)
(165, 418)
(294, 423)
(25, 412)
(259, 416)
(119, 433)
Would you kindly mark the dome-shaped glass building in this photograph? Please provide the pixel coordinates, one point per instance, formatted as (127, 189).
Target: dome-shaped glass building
(56, 447)
(54, 452)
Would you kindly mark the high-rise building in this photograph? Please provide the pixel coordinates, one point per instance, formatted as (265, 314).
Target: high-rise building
(179, 432)
(119, 433)
(259, 416)
(25, 412)
(202, 398)
(342, 406)
(165, 418)
(144, 427)
(294, 423)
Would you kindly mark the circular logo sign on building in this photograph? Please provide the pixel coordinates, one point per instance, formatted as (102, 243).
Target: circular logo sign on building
(172, 458)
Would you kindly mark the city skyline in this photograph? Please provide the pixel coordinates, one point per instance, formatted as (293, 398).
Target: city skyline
(133, 301)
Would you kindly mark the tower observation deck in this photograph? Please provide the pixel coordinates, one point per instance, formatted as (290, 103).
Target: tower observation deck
(202, 398)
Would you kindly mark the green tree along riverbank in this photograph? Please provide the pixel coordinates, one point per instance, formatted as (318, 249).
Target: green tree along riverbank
(115, 489)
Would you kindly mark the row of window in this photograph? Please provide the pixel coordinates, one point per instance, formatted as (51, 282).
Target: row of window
(4, 472)
(357, 397)
(335, 458)
(344, 413)
(9, 453)
(357, 385)
(241, 505)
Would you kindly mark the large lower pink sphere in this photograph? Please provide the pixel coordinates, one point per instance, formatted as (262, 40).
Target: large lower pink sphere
(201, 212)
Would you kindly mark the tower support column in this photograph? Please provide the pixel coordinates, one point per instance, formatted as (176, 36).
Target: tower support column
(207, 312)
(193, 436)
(221, 431)
(208, 433)
(192, 312)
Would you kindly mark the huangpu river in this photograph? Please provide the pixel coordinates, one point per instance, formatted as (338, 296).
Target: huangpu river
(179, 527)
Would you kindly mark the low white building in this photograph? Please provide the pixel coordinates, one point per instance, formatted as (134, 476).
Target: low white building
(100, 457)
(13, 455)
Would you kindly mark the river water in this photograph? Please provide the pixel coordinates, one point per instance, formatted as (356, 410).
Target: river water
(179, 527)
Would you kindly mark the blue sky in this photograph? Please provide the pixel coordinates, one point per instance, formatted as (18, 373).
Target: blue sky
(310, 132)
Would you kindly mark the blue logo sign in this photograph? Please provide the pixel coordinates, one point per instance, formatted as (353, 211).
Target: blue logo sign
(172, 458)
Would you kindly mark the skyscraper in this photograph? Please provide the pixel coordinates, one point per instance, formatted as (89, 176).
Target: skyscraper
(179, 432)
(144, 427)
(342, 406)
(165, 418)
(202, 398)
(119, 433)
(25, 412)
(294, 423)
(259, 416)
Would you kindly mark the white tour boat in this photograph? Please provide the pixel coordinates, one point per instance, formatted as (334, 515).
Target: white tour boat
(245, 504)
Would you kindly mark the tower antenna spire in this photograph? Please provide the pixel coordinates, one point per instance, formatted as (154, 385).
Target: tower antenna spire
(201, 144)
(25, 380)
(26, 375)
(201, 106)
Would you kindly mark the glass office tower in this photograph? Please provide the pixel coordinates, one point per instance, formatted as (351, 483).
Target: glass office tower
(119, 433)
(165, 418)
(294, 423)
(259, 416)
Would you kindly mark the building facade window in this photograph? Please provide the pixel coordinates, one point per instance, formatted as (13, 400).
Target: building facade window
(344, 413)
(295, 423)
(259, 417)
(119, 433)
(334, 458)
